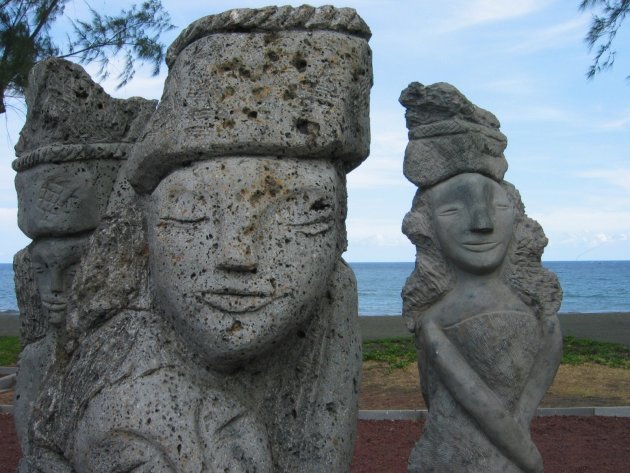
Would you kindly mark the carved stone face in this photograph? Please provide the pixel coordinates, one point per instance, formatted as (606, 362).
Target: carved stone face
(58, 199)
(473, 220)
(241, 250)
(54, 262)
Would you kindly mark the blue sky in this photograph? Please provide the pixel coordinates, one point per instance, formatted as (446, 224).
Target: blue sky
(524, 60)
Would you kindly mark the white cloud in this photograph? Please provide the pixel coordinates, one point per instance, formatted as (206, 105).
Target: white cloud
(538, 113)
(143, 84)
(511, 86)
(383, 168)
(619, 177)
(376, 232)
(586, 233)
(13, 239)
(619, 123)
(475, 12)
(586, 225)
(556, 36)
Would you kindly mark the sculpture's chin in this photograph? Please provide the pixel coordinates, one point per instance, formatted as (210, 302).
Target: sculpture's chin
(227, 340)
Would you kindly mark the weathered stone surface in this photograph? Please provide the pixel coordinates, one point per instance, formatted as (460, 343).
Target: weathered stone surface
(54, 262)
(262, 90)
(213, 323)
(65, 198)
(449, 135)
(482, 308)
(70, 117)
(69, 156)
(70, 149)
(33, 325)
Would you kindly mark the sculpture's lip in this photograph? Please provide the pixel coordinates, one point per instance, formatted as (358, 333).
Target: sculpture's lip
(54, 305)
(480, 246)
(236, 300)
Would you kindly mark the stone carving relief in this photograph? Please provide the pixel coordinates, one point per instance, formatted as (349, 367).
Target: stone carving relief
(213, 324)
(481, 306)
(69, 155)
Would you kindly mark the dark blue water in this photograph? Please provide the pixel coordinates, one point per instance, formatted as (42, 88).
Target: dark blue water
(589, 286)
(7, 288)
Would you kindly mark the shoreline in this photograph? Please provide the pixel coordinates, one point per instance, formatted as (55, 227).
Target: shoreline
(601, 326)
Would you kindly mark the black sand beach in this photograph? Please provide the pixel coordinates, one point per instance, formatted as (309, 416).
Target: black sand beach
(606, 327)
(9, 324)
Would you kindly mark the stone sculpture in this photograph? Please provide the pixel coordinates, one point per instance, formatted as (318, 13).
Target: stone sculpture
(224, 336)
(482, 307)
(69, 154)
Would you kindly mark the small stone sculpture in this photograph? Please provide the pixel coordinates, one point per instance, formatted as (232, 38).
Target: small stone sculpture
(482, 307)
(223, 335)
(69, 154)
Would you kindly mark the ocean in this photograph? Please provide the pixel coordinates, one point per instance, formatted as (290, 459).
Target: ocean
(589, 286)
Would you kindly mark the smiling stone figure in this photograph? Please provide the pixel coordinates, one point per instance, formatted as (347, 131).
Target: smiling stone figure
(481, 306)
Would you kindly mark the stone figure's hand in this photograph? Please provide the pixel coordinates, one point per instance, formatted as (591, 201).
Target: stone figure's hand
(532, 460)
(508, 434)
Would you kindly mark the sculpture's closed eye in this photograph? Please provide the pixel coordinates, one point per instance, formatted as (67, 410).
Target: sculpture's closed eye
(448, 211)
(309, 213)
(182, 208)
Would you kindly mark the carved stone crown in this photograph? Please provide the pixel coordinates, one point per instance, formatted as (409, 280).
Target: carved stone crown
(276, 81)
(71, 118)
(449, 135)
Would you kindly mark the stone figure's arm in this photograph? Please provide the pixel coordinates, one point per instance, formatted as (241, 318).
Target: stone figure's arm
(488, 410)
(542, 372)
(44, 461)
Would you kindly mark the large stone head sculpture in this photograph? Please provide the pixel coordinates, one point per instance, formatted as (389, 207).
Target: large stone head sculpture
(249, 349)
(480, 304)
(243, 168)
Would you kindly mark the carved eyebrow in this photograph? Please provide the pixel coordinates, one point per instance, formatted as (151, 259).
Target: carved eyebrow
(183, 219)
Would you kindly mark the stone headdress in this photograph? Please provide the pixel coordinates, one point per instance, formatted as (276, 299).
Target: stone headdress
(276, 81)
(449, 135)
(71, 118)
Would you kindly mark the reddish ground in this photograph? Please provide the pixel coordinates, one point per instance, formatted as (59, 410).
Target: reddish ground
(567, 444)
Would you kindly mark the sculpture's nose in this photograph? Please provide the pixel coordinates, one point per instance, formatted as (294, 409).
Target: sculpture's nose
(481, 220)
(236, 250)
(56, 281)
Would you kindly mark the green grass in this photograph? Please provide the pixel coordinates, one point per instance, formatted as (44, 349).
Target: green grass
(396, 352)
(9, 350)
(401, 352)
(578, 351)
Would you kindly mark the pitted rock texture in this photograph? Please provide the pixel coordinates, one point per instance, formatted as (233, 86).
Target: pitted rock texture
(70, 149)
(212, 324)
(69, 157)
(33, 325)
(70, 117)
(66, 198)
(481, 306)
(272, 19)
(299, 93)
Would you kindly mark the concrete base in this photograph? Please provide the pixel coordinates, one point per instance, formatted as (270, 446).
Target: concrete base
(618, 411)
